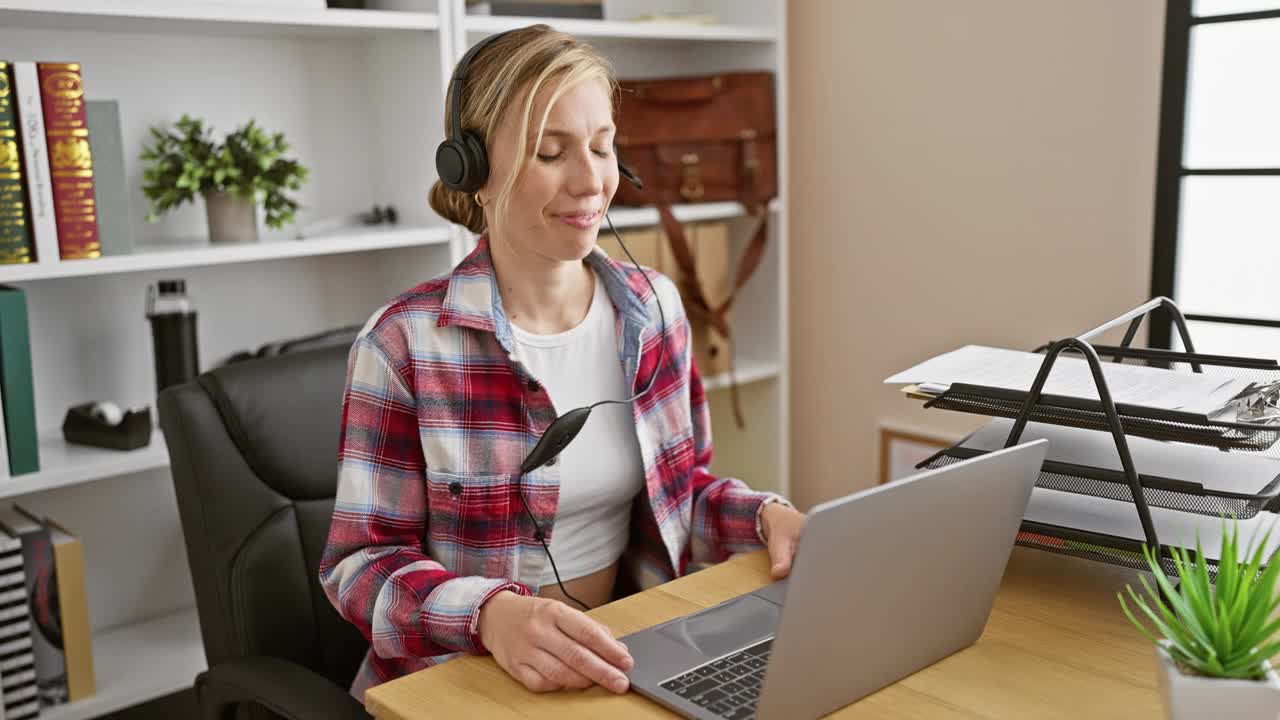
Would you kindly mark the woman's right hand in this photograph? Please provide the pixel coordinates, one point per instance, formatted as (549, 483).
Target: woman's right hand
(547, 645)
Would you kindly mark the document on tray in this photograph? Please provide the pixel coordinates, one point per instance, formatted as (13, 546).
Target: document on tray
(1242, 472)
(1173, 527)
(1139, 385)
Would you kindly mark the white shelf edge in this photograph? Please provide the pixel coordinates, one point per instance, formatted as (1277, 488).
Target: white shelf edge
(205, 254)
(63, 464)
(748, 371)
(624, 29)
(139, 662)
(52, 12)
(630, 217)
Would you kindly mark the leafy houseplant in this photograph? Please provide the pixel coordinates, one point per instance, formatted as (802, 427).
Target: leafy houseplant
(1217, 639)
(247, 166)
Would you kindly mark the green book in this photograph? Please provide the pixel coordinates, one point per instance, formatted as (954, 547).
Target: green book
(115, 231)
(17, 390)
(15, 232)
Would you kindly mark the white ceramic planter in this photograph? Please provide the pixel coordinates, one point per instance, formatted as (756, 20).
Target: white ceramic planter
(1194, 697)
(231, 219)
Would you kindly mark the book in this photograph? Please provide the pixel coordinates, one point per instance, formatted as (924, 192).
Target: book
(115, 231)
(42, 600)
(35, 162)
(17, 388)
(578, 9)
(18, 689)
(72, 602)
(66, 131)
(15, 233)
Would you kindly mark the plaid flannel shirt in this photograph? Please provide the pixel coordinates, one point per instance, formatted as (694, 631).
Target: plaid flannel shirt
(437, 417)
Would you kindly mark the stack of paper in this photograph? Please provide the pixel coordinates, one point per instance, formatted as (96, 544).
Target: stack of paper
(1173, 528)
(1230, 472)
(1138, 385)
(1215, 470)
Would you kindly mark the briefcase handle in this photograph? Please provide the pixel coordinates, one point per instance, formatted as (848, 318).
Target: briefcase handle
(680, 90)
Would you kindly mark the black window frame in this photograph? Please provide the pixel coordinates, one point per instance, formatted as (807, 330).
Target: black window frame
(1170, 171)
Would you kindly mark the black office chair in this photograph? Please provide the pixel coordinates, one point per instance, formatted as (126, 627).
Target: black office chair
(254, 449)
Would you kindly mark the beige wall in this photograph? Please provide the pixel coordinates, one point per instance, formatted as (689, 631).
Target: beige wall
(953, 164)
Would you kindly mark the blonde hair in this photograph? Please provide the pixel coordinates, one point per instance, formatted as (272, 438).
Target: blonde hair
(523, 61)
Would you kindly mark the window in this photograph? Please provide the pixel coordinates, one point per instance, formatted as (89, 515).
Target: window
(1217, 224)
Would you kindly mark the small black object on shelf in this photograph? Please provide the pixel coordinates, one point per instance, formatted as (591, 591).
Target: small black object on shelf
(81, 427)
(378, 215)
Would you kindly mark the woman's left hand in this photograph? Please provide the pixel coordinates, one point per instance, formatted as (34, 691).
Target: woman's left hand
(782, 527)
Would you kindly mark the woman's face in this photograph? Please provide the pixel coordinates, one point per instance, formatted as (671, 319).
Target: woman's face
(559, 201)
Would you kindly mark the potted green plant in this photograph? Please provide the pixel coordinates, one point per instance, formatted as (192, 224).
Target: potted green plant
(248, 166)
(1216, 639)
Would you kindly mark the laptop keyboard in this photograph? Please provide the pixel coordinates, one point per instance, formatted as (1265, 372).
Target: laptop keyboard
(727, 687)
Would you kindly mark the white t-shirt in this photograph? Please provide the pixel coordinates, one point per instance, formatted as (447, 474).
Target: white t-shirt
(601, 470)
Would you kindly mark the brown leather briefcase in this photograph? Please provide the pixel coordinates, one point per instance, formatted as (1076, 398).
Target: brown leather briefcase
(708, 138)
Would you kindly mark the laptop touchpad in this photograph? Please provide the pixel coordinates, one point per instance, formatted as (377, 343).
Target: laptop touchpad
(726, 627)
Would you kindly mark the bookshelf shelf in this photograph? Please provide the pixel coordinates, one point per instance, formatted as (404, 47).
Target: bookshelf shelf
(163, 16)
(63, 464)
(696, 212)
(666, 31)
(138, 662)
(749, 371)
(187, 254)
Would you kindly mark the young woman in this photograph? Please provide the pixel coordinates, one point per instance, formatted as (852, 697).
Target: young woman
(439, 544)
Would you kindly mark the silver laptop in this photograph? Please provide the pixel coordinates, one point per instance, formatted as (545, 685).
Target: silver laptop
(885, 582)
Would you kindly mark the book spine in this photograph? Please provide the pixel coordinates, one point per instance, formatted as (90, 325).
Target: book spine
(66, 130)
(35, 161)
(73, 606)
(16, 383)
(46, 631)
(115, 230)
(15, 235)
(17, 657)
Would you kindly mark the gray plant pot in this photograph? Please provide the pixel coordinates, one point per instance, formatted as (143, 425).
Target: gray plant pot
(1193, 697)
(231, 219)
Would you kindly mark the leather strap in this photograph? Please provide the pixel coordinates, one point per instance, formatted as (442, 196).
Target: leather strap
(696, 303)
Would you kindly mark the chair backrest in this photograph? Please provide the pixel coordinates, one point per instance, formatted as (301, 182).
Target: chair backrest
(254, 449)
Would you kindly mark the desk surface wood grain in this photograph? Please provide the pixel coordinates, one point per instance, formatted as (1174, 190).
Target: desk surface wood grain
(1056, 646)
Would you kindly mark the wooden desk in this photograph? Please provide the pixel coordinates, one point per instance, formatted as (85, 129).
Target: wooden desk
(1056, 646)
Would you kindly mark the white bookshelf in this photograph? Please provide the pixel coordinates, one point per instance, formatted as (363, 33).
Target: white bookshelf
(138, 662)
(162, 16)
(186, 254)
(674, 32)
(629, 217)
(358, 93)
(748, 370)
(63, 464)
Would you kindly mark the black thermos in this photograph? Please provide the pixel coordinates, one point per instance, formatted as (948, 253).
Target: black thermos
(173, 333)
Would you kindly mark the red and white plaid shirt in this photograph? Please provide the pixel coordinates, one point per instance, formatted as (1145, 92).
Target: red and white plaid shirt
(438, 416)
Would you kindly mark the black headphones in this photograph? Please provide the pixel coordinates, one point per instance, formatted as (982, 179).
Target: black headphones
(463, 165)
(461, 160)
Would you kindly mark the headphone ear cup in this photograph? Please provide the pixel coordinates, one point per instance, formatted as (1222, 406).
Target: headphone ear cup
(477, 161)
(451, 164)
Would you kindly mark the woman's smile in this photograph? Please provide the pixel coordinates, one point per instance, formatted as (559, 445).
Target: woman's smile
(580, 220)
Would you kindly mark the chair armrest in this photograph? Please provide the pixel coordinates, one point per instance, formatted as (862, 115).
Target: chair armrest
(285, 688)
